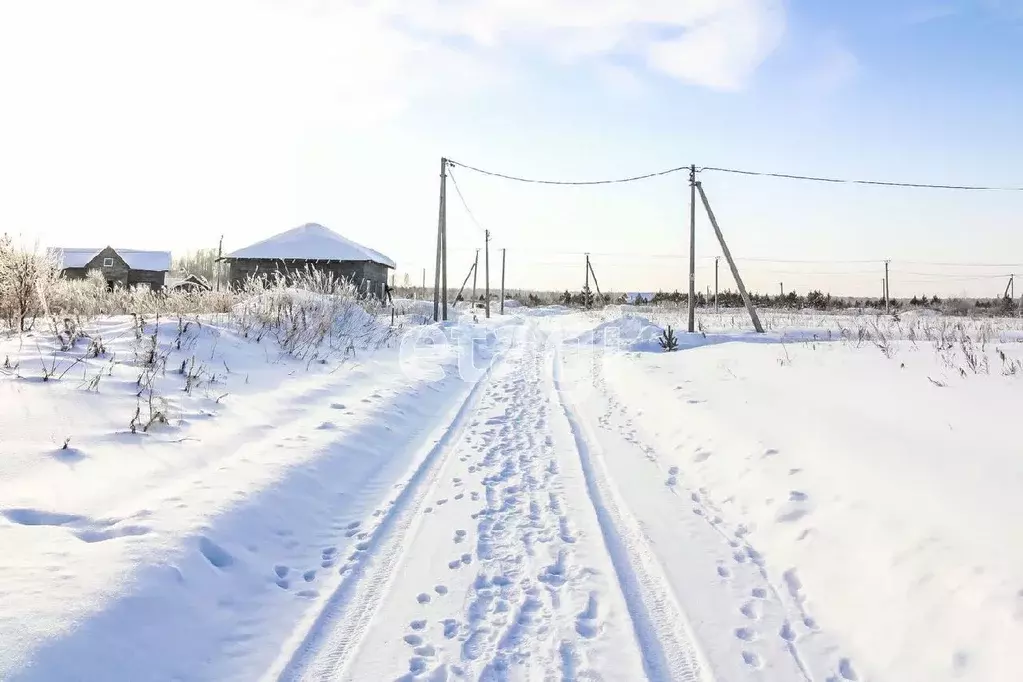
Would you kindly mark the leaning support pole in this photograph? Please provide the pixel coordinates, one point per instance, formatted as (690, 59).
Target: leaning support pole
(472, 271)
(475, 269)
(597, 286)
(731, 262)
(586, 287)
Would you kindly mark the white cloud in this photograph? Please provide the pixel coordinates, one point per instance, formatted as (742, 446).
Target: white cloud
(714, 43)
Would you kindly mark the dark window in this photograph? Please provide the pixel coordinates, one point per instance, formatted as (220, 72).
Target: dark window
(108, 262)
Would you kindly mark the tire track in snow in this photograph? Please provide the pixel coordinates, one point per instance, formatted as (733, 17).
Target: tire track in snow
(333, 636)
(742, 551)
(791, 600)
(670, 653)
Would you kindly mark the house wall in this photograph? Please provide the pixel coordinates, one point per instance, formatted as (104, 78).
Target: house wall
(362, 273)
(118, 274)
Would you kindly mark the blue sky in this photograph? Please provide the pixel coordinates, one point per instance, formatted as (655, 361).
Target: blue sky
(164, 125)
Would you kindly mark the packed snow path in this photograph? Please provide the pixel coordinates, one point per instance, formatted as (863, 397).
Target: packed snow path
(510, 566)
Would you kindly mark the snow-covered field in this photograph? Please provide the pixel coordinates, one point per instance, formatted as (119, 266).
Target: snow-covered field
(542, 496)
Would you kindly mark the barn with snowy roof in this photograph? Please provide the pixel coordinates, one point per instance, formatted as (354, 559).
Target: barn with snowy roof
(118, 267)
(312, 246)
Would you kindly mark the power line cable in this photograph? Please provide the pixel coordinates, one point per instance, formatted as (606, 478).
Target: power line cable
(739, 171)
(576, 183)
(882, 183)
(465, 205)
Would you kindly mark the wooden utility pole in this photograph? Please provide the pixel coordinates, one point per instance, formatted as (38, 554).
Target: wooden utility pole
(220, 254)
(731, 262)
(886, 305)
(1010, 289)
(504, 252)
(444, 240)
(781, 289)
(474, 268)
(717, 260)
(424, 282)
(440, 274)
(586, 287)
(486, 269)
(692, 248)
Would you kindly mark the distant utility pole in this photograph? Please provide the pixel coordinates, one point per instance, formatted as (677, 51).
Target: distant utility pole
(717, 260)
(440, 275)
(424, 282)
(504, 252)
(1010, 288)
(886, 304)
(692, 248)
(220, 254)
(781, 288)
(486, 273)
(474, 267)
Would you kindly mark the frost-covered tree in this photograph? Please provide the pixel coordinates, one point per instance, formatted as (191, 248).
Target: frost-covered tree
(202, 262)
(25, 279)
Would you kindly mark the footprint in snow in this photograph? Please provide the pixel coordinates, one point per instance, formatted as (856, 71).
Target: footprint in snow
(751, 659)
(745, 634)
(328, 557)
(846, 670)
(215, 554)
(749, 609)
(423, 598)
(450, 628)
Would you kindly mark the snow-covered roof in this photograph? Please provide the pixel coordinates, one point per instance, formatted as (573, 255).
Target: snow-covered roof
(136, 260)
(311, 242)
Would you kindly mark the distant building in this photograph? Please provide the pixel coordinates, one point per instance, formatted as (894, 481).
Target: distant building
(119, 267)
(312, 246)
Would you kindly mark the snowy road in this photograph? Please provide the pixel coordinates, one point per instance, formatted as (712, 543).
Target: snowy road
(549, 543)
(513, 569)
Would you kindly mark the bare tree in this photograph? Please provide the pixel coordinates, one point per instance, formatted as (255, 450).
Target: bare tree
(25, 279)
